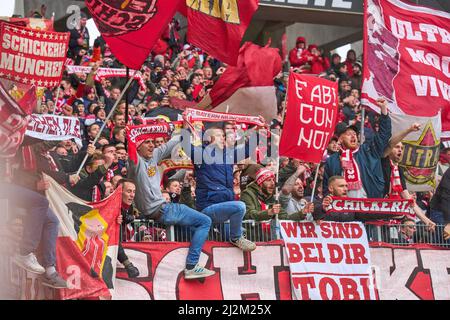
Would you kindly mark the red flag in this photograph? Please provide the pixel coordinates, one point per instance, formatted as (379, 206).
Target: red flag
(29, 101)
(218, 27)
(247, 88)
(13, 123)
(87, 243)
(32, 56)
(311, 113)
(406, 59)
(32, 23)
(132, 27)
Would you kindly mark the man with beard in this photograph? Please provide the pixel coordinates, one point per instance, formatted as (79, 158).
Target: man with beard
(292, 198)
(360, 165)
(356, 78)
(337, 187)
(395, 182)
(259, 197)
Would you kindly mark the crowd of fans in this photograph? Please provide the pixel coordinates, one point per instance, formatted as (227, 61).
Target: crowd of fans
(208, 193)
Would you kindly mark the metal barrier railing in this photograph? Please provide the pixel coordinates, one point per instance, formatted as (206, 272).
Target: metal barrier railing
(262, 231)
(149, 230)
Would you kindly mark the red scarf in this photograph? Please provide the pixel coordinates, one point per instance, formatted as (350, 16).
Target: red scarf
(351, 169)
(29, 160)
(396, 182)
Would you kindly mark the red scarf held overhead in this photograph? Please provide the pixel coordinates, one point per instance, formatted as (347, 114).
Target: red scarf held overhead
(396, 182)
(351, 169)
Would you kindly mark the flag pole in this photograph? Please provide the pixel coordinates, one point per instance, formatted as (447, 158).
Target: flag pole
(363, 116)
(315, 183)
(106, 120)
(277, 189)
(126, 106)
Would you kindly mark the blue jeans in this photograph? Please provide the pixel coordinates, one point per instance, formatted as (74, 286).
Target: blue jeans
(180, 214)
(230, 210)
(40, 225)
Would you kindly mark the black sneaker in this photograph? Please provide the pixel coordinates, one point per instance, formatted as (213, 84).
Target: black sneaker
(132, 271)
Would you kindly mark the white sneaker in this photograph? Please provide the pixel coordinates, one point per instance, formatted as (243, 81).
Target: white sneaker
(244, 244)
(29, 263)
(198, 272)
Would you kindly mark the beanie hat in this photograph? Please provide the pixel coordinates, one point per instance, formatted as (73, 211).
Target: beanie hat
(301, 39)
(262, 175)
(312, 46)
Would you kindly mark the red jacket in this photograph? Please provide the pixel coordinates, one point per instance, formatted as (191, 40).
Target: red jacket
(349, 68)
(319, 64)
(298, 60)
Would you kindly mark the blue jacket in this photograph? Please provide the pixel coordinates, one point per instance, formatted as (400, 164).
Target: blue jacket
(215, 181)
(368, 159)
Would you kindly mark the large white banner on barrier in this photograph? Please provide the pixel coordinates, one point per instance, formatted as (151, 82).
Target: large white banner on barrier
(402, 273)
(328, 261)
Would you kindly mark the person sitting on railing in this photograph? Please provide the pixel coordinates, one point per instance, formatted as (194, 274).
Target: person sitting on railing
(406, 232)
(214, 190)
(127, 216)
(337, 187)
(152, 204)
(292, 196)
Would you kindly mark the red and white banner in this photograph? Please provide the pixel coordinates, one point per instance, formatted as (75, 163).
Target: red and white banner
(387, 207)
(159, 128)
(103, 73)
(421, 150)
(247, 88)
(193, 115)
(32, 23)
(87, 243)
(406, 60)
(31, 56)
(54, 128)
(330, 261)
(13, 122)
(218, 27)
(132, 28)
(311, 113)
(417, 272)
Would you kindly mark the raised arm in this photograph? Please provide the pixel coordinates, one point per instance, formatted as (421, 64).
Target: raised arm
(400, 137)
(381, 140)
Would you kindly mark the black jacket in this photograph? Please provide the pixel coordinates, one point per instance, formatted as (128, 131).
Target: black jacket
(83, 189)
(441, 199)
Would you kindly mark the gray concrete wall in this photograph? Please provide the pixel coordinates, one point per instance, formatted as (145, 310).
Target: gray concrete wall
(316, 33)
(57, 6)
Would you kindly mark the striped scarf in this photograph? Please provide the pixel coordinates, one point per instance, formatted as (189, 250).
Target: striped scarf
(351, 169)
(396, 182)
